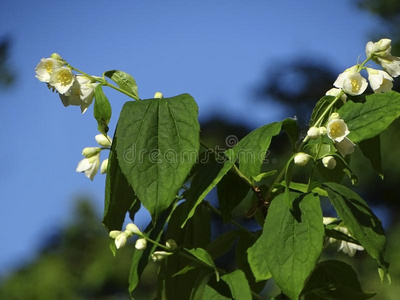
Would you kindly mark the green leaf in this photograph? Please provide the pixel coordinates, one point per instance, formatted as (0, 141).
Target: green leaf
(319, 108)
(371, 149)
(101, 110)
(124, 81)
(231, 191)
(200, 285)
(205, 179)
(333, 279)
(338, 235)
(251, 150)
(337, 174)
(290, 244)
(291, 128)
(362, 223)
(158, 143)
(140, 259)
(119, 196)
(366, 120)
(261, 176)
(211, 294)
(303, 188)
(238, 285)
(205, 257)
(222, 244)
(196, 233)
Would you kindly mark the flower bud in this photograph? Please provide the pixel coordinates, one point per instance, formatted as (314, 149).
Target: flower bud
(160, 255)
(103, 167)
(133, 228)
(329, 162)
(141, 244)
(301, 159)
(102, 140)
(313, 133)
(383, 45)
(158, 95)
(328, 220)
(171, 244)
(334, 116)
(56, 56)
(114, 233)
(120, 240)
(322, 130)
(90, 151)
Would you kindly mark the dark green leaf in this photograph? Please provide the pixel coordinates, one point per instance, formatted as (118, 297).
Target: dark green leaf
(222, 244)
(371, 149)
(366, 120)
(119, 196)
(333, 279)
(238, 285)
(261, 176)
(319, 108)
(205, 257)
(124, 81)
(362, 223)
(231, 191)
(290, 244)
(200, 285)
(211, 294)
(291, 128)
(158, 142)
(101, 110)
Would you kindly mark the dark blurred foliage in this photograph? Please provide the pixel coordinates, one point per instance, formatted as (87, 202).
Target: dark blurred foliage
(7, 75)
(75, 263)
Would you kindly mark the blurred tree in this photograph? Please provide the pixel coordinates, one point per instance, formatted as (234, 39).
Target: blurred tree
(7, 76)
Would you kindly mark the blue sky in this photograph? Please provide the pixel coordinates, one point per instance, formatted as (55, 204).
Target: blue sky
(216, 50)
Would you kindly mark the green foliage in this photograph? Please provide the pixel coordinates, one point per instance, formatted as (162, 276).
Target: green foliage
(238, 285)
(125, 81)
(290, 244)
(102, 110)
(158, 143)
(367, 120)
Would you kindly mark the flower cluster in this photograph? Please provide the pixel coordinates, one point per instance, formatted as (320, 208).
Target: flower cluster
(344, 246)
(73, 89)
(91, 163)
(352, 83)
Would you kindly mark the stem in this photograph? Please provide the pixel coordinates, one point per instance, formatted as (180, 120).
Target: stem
(121, 90)
(238, 225)
(317, 123)
(314, 165)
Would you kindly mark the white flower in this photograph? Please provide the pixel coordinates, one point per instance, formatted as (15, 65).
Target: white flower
(334, 116)
(171, 244)
(89, 165)
(45, 68)
(120, 240)
(345, 146)
(313, 133)
(328, 220)
(80, 94)
(87, 88)
(141, 244)
(380, 81)
(351, 82)
(382, 48)
(103, 167)
(301, 159)
(62, 79)
(133, 228)
(329, 162)
(335, 92)
(391, 64)
(90, 151)
(347, 247)
(160, 255)
(337, 130)
(114, 233)
(102, 140)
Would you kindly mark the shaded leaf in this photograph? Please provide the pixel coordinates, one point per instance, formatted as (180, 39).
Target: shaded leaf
(124, 81)
(238, 285)
(101, 110)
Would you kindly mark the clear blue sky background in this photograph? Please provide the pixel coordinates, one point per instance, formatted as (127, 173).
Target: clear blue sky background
(216, 50)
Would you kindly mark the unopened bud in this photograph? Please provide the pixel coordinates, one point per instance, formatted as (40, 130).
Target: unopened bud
(301, 159)
(328, 220)
(158, 95)
(334, 116)
(102, 140)
(103, 167)
(329, 162)
(114, 233)
(120, 240)
(313, 133)
(56, 56)
(383, 45)
(160, 255)
(322, 130)
(171, 244)
(90, 151)
(133, 228)
(141, 244)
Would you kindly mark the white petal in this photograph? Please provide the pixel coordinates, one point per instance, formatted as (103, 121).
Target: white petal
(83, 165)
(345, 146)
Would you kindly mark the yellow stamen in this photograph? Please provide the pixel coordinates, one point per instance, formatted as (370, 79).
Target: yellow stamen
(355, 86)
(64, 77)
(49, 66)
